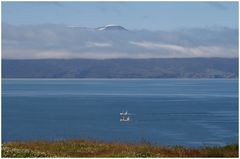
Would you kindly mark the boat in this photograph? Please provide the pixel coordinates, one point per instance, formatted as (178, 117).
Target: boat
(124, 116)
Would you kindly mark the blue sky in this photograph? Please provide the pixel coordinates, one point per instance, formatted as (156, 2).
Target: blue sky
(132, 15)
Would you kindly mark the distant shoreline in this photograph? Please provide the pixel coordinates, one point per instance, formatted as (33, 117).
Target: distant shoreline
(120, 78)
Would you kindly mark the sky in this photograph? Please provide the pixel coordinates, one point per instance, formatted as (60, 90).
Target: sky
(132, 15)
(41, 30)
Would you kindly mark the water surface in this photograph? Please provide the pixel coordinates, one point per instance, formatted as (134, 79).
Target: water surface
(186, 112)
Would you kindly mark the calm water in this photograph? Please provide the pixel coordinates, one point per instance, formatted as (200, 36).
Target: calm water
(167, 112)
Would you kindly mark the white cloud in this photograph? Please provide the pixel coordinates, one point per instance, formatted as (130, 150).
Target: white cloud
(180, 51)
(98, 44)
(213, 51)
(152, 45)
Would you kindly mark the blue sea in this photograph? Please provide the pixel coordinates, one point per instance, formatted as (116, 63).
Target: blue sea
(189, 112)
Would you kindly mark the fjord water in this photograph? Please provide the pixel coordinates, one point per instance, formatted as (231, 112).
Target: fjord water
(189, 112)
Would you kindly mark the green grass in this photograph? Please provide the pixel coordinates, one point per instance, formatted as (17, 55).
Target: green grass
(90, 148)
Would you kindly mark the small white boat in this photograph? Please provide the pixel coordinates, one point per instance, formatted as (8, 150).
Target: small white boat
(124, 116)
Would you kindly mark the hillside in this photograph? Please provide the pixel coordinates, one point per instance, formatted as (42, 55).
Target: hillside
(122, 68)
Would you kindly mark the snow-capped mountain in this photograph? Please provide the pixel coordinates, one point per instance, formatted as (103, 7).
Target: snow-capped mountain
(111, 27)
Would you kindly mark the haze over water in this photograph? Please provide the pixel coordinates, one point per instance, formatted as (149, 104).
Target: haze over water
(190, 112)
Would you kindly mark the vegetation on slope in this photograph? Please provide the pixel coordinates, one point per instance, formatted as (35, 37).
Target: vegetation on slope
(86, 148)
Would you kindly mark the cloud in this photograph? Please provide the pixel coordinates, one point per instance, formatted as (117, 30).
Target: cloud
(60, 41)
(152, 45)
(200, 51)
(98, 44)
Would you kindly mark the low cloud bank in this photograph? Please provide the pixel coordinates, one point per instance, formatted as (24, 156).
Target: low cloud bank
(60, 41)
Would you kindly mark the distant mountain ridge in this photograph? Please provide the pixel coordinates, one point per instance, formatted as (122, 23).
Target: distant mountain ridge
(111, 27)
(122, 68)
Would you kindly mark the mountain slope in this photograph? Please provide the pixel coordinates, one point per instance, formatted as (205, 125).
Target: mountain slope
(122, 68)
(111, 28)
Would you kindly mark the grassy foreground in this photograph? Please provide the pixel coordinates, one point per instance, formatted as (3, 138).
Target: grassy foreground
(89, 148)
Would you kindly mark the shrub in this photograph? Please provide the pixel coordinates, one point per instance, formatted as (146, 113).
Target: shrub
(13, 152)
